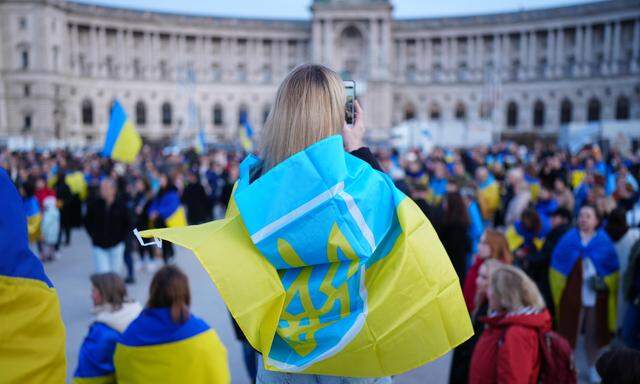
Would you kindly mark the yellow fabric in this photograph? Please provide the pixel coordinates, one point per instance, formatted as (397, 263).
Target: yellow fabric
(612, 300)
(576, 178)
(128, 144)
(110, 379)
(77, 184)
(514, 239)
(33, 227)
(538, 242)
(415, 280)
(489, 200)
(557, 281)
(32, 335)
(198, 359)
(534, 188)
(177, 219)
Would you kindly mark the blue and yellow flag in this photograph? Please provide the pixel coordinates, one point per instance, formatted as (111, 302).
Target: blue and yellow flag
(517, 236)
(123, 141)
(601, 252)
(201, 143)
(154, 349)
(32, 337)
(489, 197)
(339, 274)
(95, 360)
(34, 218)
(246, 133)
(169, 208)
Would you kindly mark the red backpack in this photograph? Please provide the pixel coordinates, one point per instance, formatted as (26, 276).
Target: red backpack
(557, 362)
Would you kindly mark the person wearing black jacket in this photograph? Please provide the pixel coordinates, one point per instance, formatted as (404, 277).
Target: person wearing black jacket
(196, 200)
(107, 223)
(454, 231)
(65, 197)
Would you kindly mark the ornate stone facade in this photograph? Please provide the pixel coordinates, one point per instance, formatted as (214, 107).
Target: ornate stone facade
(62, 64)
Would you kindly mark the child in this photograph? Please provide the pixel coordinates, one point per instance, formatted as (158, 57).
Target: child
(50, 228)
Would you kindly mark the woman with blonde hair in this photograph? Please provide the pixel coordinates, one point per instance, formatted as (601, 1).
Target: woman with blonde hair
(508, 350)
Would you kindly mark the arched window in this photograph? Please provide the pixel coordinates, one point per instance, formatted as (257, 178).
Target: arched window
(167, 114)
(434, 112)
(27, 122)
(622, 108)
(243, 114)
(24, 59)
(538, 114)
(566, 112)
(460, 112)
(265, 113)
(218, 115)
(593, 110)
(485, 110)
(87, 112)
(409, 112)
(141, 113)
(512, 114)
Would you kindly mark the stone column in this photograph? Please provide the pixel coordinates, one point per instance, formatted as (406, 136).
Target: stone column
(316, 38)
(93, 44)
(560, 57)
(386, 47)
(635, 56)
(373, 47)
(550, 56)
(328, 43)
(428, 62)
(75, 49)
(497, 57)
(607, 49)
(478, 66)
(402, 60)
(587, 56)
(533, 55)
(617, 37)
(285, 56)
(445, 58)
(523, 56)
(454, 58)
(419, 59)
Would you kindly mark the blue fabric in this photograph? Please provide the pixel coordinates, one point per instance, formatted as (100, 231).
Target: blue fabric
(487, 182)
(16, 258)
(116, 123)
(438, 187)
(154, 326)
(96, 353)
(31, 207)
(340, 184)
(600, 251)
(529, 236)
(166, 204)
(545, 209)
(476, 229)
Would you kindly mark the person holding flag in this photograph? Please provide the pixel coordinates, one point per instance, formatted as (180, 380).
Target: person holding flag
(32, 335)
(328, 269)
(166, 210)
(122, 142)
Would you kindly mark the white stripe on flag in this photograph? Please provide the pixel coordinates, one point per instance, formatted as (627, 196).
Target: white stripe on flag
(357, 216)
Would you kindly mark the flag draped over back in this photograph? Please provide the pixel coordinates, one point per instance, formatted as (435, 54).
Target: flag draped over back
(34, 218)
(123, 141)
(338, 273)
(32, 335)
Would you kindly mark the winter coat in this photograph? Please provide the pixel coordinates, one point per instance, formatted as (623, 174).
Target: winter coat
(50, 222)
(508, 350)
(107, 225)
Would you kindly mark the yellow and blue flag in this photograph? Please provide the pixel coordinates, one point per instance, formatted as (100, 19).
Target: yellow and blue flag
(201, 143)
(95, 360)
(154, 349)
(32, 336)
(341, 274)
(34, 218)
(489, 197)
(601, 252)
(123, 141)
(517, 236)
(246, 133)
(169, 208)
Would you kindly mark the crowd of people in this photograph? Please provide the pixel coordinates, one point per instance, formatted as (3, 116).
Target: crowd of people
(547, 237)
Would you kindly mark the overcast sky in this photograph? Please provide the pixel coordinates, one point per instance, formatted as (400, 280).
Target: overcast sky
(299, 9)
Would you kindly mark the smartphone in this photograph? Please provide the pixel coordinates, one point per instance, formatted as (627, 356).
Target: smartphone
(350, 107)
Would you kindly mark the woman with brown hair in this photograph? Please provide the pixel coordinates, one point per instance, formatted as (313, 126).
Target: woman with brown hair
(114, 313)
(454, 231)
(168, 344)
(493, 245)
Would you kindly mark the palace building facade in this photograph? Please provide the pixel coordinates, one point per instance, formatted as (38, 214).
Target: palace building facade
(62, 65)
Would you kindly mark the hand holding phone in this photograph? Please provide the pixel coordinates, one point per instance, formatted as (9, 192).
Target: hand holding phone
(352, 135)
(350, 91)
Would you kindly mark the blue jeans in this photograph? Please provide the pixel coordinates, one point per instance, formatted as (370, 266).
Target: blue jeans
(108, 259)
(272, 377)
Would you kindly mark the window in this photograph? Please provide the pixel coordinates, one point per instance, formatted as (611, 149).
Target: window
(593, 110)
(485, 110)
(266, 73)
(514, 69)
(27, 122)
(82, 62)
(216, 73)
(538, 114)
(512, 114)
(434, 112)
(164, 70)
(460, 112)
(412, 73)
(409, 112)
(241, 73)
(87, 112)
(167, 114)
(622, 108)
(137, 68)
(27, 90)
(566, 112)
(24, 59)
(462, 73)
(111, 71)
(22, 23)
(141, 113)
(218, 115)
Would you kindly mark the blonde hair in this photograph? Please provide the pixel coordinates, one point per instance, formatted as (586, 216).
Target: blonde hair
(309, 107)
(490, 265)
(514, 290)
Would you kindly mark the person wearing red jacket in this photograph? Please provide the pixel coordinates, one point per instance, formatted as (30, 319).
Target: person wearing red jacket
(43, 191)
(508, 350)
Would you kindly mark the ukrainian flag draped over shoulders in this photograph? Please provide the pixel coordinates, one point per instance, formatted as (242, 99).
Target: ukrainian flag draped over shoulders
(34, 218)
(32, 336)
(168, 206)
(329, 269)
(601, 252)
(154, 349)
(123, 141)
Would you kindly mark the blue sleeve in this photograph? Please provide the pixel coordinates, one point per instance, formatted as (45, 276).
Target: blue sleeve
(96, 353)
